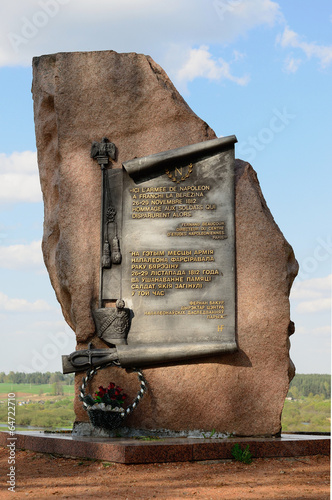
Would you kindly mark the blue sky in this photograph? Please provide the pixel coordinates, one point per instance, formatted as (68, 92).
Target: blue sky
(259, 69)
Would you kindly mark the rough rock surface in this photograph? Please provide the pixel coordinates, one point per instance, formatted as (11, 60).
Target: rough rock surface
(82, 97)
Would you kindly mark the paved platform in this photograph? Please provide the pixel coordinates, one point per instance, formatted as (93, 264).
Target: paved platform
(137, 451)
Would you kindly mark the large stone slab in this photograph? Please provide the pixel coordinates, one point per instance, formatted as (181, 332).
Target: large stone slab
(82, 97)
(131, 451)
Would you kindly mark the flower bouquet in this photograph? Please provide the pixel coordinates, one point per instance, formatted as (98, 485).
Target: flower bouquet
(106, 408)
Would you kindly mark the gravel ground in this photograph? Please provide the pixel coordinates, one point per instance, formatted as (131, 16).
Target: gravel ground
(47, 476)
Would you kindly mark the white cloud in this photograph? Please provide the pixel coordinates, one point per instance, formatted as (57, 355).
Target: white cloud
(52, 326)
(237, 56)
(314, 306)
(315, 332)
(292, 64)
(19, 180)
(39, 337)
(248, 12)
(22, 305)
(313, 288)
(200, 63)
(322, 330)
(22, 256)
(312, 296)
(323, 53)
(48, 26)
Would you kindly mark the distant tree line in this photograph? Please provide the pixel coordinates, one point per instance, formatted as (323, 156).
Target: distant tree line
(310, 385)
(37, 378)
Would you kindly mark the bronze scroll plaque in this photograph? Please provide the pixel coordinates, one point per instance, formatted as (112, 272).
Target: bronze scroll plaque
(175, 221)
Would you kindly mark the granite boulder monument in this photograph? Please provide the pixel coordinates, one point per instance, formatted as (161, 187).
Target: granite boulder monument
(162, 252)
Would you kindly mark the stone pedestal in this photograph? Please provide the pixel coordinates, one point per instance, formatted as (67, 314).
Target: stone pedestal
(82, 97)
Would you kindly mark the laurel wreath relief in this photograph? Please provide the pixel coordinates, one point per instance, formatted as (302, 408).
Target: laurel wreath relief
(183, 177)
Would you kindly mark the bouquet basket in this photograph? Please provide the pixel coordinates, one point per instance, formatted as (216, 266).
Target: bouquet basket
(106, 419)
(101, 415)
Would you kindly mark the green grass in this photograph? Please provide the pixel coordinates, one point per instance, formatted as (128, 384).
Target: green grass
(307, 414)
(57, 411)
(240, 455)
(51, 414)
(6, 388)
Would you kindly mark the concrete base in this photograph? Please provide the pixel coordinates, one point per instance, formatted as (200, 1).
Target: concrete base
(136, 451)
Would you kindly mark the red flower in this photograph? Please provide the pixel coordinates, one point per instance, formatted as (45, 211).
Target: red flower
(101, 391)
(112, 393)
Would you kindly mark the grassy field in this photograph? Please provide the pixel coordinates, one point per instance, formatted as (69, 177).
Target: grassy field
(36, 389)
(51, 414)
(305, 414)
(308, 414)
(44, 409)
